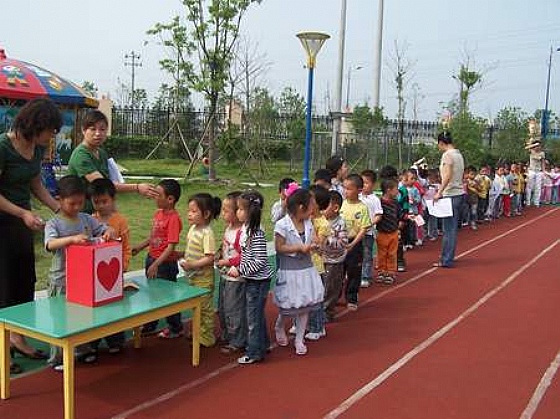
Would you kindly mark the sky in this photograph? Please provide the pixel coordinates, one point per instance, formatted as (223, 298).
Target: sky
(509, 41)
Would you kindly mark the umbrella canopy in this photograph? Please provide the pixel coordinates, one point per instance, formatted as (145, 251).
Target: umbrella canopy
(24, 81)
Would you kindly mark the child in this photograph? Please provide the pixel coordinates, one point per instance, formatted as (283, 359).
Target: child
(278, 209)
(200, 252)
(516, 184)
(555, 195)
(357, 220)
(485, 183)
(323, 178)
(317, 320)
(70, 226)
(338, 167)
(368, 197)
(231, 301)
(494, 199)
(388, 233)
(390, 172)
(501, 178)
(160, 261)
(333, 250)
(546, 194)
(299, 288)
(473, 189)
(431, 189)
(255, 270)
(414, 203)
(102, 192)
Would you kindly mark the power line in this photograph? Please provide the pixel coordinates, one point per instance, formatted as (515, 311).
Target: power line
(133, 57)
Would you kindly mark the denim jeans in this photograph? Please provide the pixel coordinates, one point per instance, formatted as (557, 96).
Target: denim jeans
(318, 317)
(367, 266)
(169, 272)
(258, 339)
(450, 228)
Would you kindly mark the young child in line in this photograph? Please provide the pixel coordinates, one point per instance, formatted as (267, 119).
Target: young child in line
(278, 209)
(161, 260)
(316, 324)
(323, 178)
(546, 193)
(494, 199)
(414, 203)
(516, 185)
(357, 220)
(338, 167)
(555, 195)
(231, 300)
(388, 233)
(70, 226)
(255, 269)
(103, 196)
(334, 251)
(431, 189)
(200, 253)
(368, 197)
(473, 189)
(485, 183)
(505, 204)
(299, 288)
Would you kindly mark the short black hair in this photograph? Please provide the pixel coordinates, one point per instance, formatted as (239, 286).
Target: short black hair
(171, 188)
(387, 184)
(36, 116)
(323, 174)
(333, 164)
(370, 174)
(388, 172)
(93, 117)
(336, 198)
(356, 179)
(71, 185)
(445, 137)
(284, 183)
(102, 186)
(471, 169)
(321, 196)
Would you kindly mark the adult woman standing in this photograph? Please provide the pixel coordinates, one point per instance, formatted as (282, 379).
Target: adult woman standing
(90, 161)
(21, 154)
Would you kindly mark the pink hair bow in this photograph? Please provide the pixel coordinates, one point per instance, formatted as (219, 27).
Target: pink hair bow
(292, 187)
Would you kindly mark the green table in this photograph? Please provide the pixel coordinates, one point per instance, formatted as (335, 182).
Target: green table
(58, 322)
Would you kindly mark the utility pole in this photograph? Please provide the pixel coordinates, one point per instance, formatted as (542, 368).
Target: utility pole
(340, 76)
(134, 62)
(377, 60)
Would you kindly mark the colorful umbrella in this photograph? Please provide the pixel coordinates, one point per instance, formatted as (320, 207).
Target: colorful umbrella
(24, 81)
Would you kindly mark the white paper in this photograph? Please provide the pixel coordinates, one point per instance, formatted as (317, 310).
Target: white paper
(419, 220)
(114, 172)
(441, 208)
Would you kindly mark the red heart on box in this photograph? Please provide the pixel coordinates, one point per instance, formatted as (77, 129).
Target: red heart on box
(108, 273)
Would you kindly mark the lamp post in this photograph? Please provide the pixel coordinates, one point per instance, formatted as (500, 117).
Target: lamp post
(312, 43)
(358, 67)
(544, 118)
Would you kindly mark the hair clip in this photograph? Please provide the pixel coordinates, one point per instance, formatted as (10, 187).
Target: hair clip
(292, 187)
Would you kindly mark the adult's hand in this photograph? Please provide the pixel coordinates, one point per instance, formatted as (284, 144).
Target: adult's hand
(437, 196)
(147, 190)
(32, 221)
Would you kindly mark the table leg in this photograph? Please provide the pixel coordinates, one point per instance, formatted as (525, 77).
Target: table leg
(196, 335)
(69, 382)
(4, 362)
(137, 337)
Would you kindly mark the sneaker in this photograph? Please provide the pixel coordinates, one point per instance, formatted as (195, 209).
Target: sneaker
(58, 367)
(301, 349)
(389, 280)
(246, 360)
(352, 306)
(292, 330)
(113, 350)
(379, 278)
(474, 226)
(168, 334)
(316, 335)
(365, 283)
(432, 239)
(401, 268)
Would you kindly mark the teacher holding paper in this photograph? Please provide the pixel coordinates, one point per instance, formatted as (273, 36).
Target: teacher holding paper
(451, 170)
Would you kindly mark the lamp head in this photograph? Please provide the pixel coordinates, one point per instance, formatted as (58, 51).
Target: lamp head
(312, 43)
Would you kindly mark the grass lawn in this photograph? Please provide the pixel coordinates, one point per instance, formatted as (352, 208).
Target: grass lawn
(139, 210)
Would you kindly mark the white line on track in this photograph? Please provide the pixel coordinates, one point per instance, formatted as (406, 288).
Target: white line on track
(380, 379)
(541, 389)
(219, 371)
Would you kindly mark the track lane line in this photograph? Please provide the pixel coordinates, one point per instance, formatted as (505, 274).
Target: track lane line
(166, 396)
(381, 378)
(541, 389)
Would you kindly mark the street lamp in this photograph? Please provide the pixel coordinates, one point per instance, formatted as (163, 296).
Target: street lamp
(312, 43)
(358, 67)
(544, 118)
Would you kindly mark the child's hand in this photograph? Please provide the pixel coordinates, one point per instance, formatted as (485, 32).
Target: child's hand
(222, 262)
(152, 271)
(135, 251)
(305, 248)
(110, 234)
(79, 239)
(233, 272)
(185, 265)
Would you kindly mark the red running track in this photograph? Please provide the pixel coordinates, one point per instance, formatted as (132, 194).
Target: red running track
(476, 341)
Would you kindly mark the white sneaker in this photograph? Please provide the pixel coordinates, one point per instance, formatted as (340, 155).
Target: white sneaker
(365, 283)
(313, 336)
(292, 330)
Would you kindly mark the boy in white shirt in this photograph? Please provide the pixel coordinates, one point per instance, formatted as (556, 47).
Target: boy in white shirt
(373, 204)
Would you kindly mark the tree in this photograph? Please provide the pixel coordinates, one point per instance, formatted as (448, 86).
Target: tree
(292, 109)
(511, 124)
(467, 133)
(211, 30)
(90, 88)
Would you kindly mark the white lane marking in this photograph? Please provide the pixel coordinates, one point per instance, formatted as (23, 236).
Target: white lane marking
(173, 393)
(541, 389)
(380, 379)
(234, 364)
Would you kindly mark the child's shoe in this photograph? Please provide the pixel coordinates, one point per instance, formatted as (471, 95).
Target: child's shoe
(352, 306)
(281, 338)
(365, 283)
(389, 279)
(301, 349)
(169, 334)
(316, 335)
(246, 360)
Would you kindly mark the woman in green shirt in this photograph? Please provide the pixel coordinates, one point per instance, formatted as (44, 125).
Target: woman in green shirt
(21, 154)
(90, 161)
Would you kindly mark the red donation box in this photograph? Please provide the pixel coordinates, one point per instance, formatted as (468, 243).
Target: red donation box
(94, 273)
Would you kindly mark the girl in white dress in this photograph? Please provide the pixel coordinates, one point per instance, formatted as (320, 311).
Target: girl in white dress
(299, 288)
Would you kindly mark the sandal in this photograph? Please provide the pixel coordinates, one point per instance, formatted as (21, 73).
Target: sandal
(281, 338)
(15, 368)
(301, 349)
